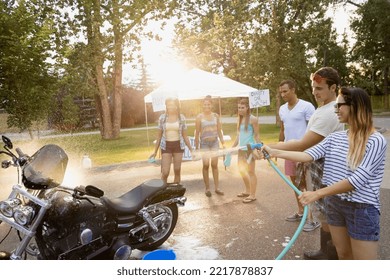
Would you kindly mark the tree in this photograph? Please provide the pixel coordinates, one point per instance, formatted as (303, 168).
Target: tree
(261, 43)
(109, 26)
(26, 82)
(371, 51)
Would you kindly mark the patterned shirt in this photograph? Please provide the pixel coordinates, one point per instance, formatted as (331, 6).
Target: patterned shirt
(162, 125)
(209, 128)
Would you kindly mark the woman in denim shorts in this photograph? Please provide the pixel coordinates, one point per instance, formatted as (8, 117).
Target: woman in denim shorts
(208, 134)
(353, 173)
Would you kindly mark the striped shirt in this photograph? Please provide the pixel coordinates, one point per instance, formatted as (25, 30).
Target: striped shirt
(367, 177)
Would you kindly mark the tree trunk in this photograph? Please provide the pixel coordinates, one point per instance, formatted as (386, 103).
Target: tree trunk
(98, 60)
(117, 79)
(106, 129)
(386, 87)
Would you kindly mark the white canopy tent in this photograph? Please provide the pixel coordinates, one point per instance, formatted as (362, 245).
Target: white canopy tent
(196, 84)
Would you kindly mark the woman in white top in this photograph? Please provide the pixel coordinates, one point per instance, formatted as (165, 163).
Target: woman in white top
(172, 138)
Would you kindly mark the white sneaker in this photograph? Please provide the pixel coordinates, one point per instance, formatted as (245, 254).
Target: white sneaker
(310, 226)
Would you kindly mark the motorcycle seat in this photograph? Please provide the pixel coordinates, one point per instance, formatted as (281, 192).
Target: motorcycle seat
(135, 199)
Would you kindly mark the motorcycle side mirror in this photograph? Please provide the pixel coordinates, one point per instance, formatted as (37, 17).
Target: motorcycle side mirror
(7, 142)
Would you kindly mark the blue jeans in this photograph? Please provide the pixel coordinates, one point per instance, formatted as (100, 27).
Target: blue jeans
(360, 219)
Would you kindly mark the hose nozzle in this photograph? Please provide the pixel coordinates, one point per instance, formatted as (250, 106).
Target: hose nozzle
(258, 146)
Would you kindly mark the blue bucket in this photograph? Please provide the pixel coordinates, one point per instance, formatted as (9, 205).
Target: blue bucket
(160, 255)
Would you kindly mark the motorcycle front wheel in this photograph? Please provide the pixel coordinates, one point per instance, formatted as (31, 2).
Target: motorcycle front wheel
(166, 217)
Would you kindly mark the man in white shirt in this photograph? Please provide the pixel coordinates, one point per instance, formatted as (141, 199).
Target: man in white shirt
(294, 116)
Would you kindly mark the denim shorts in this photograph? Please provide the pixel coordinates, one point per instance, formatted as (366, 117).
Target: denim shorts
(209, 145)
(360, 219)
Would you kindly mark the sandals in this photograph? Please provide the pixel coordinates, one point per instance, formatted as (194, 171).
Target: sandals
(249, 199)
(219, 192)
(208, 193)
(243, 194)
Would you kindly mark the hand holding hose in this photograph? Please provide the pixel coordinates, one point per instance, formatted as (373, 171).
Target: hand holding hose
(260, 151)
(266, 152)
(307, 197)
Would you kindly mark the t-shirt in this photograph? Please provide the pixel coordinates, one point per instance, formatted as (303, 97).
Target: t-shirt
(295, 120)
(324, 121)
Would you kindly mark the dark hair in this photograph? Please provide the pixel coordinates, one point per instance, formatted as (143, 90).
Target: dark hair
(331, 75)
(360, 102)
(176, 101)
(245, 102)
(291, 84)
(208, 98)
(361, 124)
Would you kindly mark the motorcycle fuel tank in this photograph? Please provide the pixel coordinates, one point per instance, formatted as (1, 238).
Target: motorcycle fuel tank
(68, 210)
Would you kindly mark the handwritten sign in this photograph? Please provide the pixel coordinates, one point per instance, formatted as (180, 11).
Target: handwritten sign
(187, 154)
(158, 103)
(259, 98)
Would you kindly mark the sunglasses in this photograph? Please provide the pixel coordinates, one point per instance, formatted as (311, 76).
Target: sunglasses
(318, 78)
(338, 105)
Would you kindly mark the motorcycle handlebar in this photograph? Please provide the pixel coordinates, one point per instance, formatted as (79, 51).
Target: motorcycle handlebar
(22, 156)
(20, 153)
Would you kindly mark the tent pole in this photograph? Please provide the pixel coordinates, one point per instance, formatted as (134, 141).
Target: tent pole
(220, 108)
(147, 127)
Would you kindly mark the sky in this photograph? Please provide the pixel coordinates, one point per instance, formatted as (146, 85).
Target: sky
(163, 64)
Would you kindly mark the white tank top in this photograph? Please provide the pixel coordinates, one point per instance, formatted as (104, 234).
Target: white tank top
(172, 131)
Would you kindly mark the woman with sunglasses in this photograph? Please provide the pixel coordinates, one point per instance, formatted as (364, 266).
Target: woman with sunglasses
(353, 173)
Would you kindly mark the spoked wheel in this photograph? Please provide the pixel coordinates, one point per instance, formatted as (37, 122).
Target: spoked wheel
(165, 216)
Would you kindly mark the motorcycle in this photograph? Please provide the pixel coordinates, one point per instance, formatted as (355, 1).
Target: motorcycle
(60, 222)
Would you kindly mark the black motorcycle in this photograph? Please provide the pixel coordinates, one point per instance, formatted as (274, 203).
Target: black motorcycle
(59, 222)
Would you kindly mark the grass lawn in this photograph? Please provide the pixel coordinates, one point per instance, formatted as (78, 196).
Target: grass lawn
(131, 146)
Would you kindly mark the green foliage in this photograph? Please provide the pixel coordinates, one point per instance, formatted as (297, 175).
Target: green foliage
(261, 43)
(26, 84)
(371, 52)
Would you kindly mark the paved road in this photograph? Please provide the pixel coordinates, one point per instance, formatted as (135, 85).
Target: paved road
(222, 227)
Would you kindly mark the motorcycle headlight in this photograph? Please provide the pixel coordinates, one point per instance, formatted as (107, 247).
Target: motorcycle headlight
(7, 207)
(23, 215)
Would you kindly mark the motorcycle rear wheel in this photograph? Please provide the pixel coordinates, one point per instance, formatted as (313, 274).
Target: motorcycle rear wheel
(166, 226)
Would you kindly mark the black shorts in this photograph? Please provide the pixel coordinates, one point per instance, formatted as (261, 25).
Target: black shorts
(172, 147)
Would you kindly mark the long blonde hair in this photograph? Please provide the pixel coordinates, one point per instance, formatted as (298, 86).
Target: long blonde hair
(360, 121)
